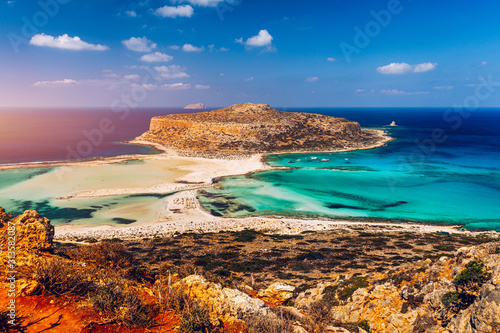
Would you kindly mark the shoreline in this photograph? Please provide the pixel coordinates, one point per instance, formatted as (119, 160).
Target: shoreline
(184, 212)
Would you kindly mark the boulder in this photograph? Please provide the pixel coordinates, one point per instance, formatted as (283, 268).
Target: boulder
(228, 305)
(4, 217)
(306, 298)
(482, 316)
(277, 293)
(33, 232)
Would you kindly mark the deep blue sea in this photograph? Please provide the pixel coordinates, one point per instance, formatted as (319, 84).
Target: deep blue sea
(443, 167)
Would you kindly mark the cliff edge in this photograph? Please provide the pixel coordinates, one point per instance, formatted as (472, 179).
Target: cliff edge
(256, 128)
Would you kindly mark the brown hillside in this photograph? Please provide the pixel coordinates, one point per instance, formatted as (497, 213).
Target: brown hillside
(255, 128)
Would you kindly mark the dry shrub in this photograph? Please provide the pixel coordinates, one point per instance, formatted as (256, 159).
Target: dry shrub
(122, 306)
(60, 277)
(104, 254)
(182, 271)
(320, 312)
(195, 317)
(269, 324)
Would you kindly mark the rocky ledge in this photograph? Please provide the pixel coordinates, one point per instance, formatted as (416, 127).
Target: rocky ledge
(256, 128)
(459, 293)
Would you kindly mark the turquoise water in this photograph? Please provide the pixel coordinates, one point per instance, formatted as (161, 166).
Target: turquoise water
(414, 178)
(452, 182)
(92, 211)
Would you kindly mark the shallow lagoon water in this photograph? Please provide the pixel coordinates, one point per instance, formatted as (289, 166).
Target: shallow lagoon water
(41, 189)
(452, 182)
(458, 182)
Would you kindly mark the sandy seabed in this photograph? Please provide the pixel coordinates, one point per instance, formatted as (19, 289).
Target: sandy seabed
(180, 176)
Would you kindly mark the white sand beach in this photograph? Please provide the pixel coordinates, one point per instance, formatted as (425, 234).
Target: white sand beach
(177, 179)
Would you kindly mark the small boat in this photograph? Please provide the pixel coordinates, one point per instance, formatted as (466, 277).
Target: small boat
(314, 158)
(347, 159)
(291, 161)
(325, 160)
(298, 160)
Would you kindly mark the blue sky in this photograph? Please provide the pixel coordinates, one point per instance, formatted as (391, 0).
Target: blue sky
(329, 53)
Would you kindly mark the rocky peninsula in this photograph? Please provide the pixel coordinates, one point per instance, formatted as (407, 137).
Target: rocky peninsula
(257, 128)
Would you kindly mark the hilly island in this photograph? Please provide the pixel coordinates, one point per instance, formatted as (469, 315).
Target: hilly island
(257, 128)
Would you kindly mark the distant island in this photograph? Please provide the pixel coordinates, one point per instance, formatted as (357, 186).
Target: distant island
(198, 106)
(257, 128)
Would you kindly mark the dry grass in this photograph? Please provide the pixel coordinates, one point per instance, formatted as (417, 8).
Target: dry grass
(122, 306)
(60, 277)
(104, 254)
(194, 317)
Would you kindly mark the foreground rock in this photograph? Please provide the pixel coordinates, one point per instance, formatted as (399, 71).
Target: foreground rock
(255, 128)
(226, 304)
(277, 293)
(33, 233)
(424, 297)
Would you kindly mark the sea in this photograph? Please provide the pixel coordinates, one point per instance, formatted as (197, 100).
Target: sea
(443, 167)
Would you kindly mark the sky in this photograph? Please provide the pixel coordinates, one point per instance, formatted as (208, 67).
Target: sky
(316, 53)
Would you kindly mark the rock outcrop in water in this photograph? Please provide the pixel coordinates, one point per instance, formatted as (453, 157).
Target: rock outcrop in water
(255, 128)
(198, 106)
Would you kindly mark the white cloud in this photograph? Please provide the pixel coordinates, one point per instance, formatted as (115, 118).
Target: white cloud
(221, 74)
(131, 13)
(402, 92)
(331, 59)
(201, 3)
(132, 77)
(176, 86)
(111, 75)
(444, 88)
(312, 79)
(403, 68)
(395, 68)
(358, 91)
(483, 63)
(174, 47)
(156, 57)
(264, 38)
(223, 49)
(201, 87)
(139, 44)
(175, 11)
(58, 83)
(249, 79)
(171, 72)
(65, 42)
(192, 48)
(425, 67)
